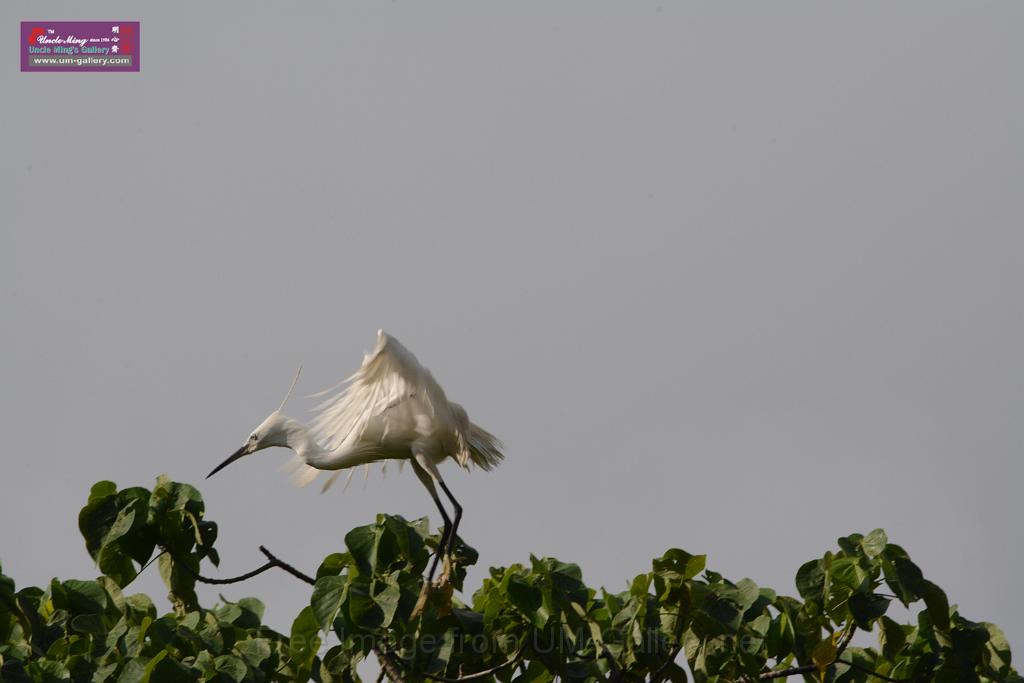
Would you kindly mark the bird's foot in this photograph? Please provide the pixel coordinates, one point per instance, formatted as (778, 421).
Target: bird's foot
(439, 596)
(442, 586)
(445, 578)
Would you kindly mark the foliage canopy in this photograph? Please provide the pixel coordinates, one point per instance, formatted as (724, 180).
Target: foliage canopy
(534, 622)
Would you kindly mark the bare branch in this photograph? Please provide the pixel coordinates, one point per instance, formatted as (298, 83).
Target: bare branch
(388, 665)
(287, 567)
(271, 563)
(858, 667)
(810, 668)
(671, 658)
(478, 674)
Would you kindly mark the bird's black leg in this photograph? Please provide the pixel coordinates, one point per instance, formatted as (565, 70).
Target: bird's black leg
(446, 535)
(458, 517)
(428, 481)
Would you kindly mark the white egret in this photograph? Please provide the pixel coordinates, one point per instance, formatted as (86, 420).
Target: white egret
(390, 409)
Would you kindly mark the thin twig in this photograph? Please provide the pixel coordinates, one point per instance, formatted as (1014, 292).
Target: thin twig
(391, 665)
(858, 667)
(219, 582)
(478, 674)
(271, 563)
(786, 673)
(616, 672)
(151, 561)
(664, 665)
(809, 668)
(388, 665)
(287, 567)
(143, 568)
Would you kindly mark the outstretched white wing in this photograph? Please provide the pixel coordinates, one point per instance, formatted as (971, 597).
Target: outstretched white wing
(390, 394)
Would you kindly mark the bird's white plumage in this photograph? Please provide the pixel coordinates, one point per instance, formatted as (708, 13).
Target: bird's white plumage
(392, 408)
(373, 396)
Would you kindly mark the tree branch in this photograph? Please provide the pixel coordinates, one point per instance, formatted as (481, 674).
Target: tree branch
(392, 667)
(671, 658)
(615, 674)
(478, 674)
(388, 665)
(272, 561)
(810, 668)
(858, 667)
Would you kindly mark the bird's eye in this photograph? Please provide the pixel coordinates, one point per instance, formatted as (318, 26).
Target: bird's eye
(252, 438)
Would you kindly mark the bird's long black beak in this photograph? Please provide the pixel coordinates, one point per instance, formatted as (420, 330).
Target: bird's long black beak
(234, 456)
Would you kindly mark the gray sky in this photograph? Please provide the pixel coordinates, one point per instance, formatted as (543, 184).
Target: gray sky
(738, 278)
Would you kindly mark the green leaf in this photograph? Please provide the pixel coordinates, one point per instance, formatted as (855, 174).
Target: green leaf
(180, 580)
(866, 607)
(227, 613)
(305, 640)
(139, 602)
(102, 489)
(441, 651)
(847, 572)
(45, 671)
(405, 539)
(567, 580)
(165, 669)
(84, 597)
(810, 580)
(96, 518)
(528, 600)
(362, 545)
(745, 593)
(122, 525)
(254, 650)
(231, 666)
(326, 600)
(333, 564)
(172, 495)
(115, 564)
(104, 672)
(337, 666)
(935, 600)
(680, 562)
(544, 612)
(252, 612)
(823, 654)
(388, 598)
(891, 637)
(134, 671)
(874, 543)
(361, 609)
(998, 650)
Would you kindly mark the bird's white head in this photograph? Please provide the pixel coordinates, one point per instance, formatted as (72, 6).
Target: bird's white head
(273, 431)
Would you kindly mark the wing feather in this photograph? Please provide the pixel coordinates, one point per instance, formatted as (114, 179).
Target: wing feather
(389, 375)
(301, 474)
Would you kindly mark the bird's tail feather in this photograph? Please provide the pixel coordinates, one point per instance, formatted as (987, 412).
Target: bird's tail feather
(484, 447)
